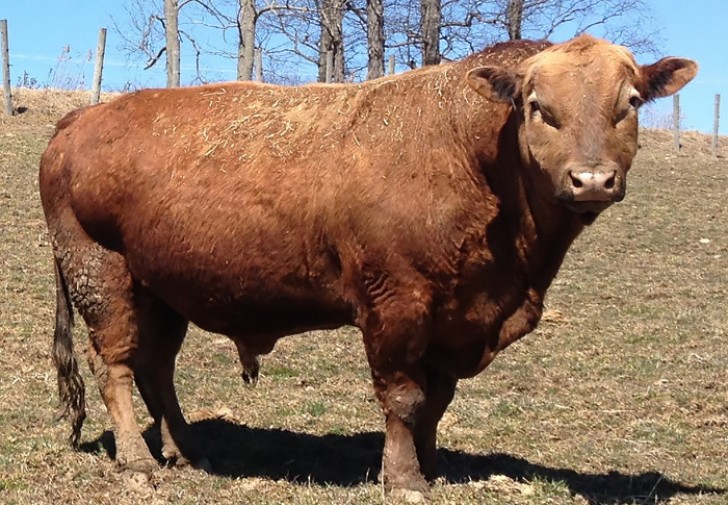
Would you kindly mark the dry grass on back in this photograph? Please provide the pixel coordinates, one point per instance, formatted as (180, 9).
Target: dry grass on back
(619, 397)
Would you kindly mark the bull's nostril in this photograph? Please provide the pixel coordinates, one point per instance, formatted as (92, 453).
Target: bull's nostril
(609, 183)
(575, 181)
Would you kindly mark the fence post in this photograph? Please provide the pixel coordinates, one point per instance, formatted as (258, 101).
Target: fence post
(676, 121)
(716, 124)
(7, 96)
(391, 65)
(258, 56)
(329, 66)
(98, 67)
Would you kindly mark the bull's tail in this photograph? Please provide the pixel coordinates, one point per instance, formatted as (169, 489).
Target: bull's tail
(71, 390)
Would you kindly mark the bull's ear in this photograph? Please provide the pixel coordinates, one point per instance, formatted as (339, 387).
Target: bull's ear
(666, 77)
(494, 83)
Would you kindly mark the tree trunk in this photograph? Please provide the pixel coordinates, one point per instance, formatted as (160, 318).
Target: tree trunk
(324, 45)
(514, 19)
(332, 38)
(430, 19)
(171, 10)
(375, 38)
(246, 39)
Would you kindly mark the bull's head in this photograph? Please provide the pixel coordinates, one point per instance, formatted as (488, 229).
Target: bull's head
(577, 108)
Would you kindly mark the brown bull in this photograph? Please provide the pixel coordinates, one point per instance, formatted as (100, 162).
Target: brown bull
(431, 209)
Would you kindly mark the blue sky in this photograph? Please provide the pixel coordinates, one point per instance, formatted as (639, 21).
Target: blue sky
(40, 29)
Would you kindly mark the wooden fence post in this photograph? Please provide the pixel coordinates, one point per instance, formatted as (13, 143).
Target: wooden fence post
(258, 58)
(7, 97)
(676, 121)
(716, 124)
(391, 65)
(98, 67)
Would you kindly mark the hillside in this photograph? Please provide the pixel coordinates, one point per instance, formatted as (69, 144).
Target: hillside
(619, 397)
(43, 107)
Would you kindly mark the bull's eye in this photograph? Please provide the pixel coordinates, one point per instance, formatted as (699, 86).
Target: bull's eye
(535, 108)
(537, 111)
(635, 101)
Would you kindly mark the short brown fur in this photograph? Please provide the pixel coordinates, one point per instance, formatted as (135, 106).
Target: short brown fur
(431, 209)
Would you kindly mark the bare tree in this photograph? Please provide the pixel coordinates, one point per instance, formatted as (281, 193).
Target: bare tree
(467, 26)
(625, 22)
(295, 35)
(148, 29)
(249, 13)
(462, 27)
(430, 22)
(247, 18)
(514, 18)
(375, 39)
(171, 29)
(331, 40)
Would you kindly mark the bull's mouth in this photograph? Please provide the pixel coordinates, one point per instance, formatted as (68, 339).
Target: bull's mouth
(589, 190)
(587, 211)
(588, 207)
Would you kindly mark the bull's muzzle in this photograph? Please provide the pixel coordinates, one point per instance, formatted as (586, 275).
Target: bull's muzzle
(595, 186)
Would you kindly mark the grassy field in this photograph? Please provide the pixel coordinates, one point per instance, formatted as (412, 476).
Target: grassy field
(619, 397)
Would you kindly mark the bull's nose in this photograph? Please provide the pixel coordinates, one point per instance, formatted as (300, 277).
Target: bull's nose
(593, 186)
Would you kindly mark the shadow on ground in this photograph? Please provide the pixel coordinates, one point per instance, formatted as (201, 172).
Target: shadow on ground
(352, 459)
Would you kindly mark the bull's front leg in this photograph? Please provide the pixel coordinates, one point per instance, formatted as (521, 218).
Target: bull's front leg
(413, 402)
(401, 396)
(396, 342)
(439, 393)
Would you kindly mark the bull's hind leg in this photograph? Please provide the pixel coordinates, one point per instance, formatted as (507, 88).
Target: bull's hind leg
(100, 287)
(103, 295)
(162, 331)
(115, 383)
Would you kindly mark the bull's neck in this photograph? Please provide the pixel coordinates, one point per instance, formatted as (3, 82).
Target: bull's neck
(539, 230)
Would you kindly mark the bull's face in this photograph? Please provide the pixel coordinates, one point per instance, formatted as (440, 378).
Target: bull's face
(577, 109)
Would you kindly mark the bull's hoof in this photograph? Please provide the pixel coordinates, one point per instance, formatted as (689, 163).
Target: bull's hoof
(411, 496)
(182, 453)
(173, 455)
(414, 489)
(250, 375)
(178, 461)
(204, 465)
(140, 465)
(175, 458)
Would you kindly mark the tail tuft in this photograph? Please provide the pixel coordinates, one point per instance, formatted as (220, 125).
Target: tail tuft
(71, 390)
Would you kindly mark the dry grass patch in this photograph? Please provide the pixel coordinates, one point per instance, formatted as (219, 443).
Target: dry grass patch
(620, 396)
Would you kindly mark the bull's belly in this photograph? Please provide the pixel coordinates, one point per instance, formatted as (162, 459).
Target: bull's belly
(251, 315)
(239, 277)
(254, 322)
(241, 297)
